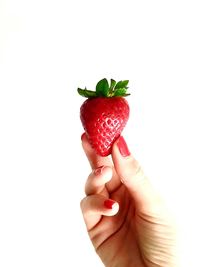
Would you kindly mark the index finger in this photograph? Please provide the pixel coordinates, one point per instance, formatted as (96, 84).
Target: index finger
(95, 160)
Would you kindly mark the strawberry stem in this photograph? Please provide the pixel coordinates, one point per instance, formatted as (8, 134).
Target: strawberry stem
(104, 90)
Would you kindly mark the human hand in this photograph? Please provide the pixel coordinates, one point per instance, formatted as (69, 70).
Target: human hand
(126, 219)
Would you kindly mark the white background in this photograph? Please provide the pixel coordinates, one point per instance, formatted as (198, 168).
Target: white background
(48, 49)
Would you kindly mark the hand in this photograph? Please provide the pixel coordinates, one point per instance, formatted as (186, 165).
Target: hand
(127, 221)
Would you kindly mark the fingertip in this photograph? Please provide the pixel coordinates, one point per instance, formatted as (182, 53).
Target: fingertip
(98, 205)
(125, 164)
(120, 148)
(121, 155)
(123, 147)
(111, 207)
(83, 136)
(85, 143)
(109, 203)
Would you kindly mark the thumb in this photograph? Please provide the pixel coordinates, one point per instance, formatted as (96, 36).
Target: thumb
(133, 177)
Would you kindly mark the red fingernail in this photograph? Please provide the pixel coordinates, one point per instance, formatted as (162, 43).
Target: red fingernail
(109, 203)
(123, 148)
(98, 170)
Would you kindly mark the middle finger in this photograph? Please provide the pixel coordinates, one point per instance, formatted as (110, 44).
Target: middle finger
(97, 180)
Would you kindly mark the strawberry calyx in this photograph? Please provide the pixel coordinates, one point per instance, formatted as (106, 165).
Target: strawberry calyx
(103, 89)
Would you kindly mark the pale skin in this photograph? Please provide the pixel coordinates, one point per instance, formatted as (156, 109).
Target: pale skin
(138, 230)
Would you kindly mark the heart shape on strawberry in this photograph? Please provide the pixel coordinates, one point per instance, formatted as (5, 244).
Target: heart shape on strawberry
(104, 114)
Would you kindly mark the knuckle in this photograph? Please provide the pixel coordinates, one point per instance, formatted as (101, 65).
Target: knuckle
(133, 172)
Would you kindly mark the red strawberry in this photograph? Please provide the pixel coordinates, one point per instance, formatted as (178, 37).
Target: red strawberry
(104, 114)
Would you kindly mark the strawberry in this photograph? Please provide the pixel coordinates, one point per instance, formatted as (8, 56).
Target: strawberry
(104, 114)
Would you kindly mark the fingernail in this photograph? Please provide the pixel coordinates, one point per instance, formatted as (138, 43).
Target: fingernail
(109, 203)
(99, 170)
(123, 148)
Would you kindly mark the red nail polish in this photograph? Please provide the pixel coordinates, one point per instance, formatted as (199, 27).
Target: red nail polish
(123, 148)
(109, 203)
(99, 170)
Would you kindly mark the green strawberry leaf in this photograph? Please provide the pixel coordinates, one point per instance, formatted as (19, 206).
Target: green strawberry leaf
(121, 88)
(102, 88)
(120, 92)
(122, 84)
(112, 85)
(86, 93)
